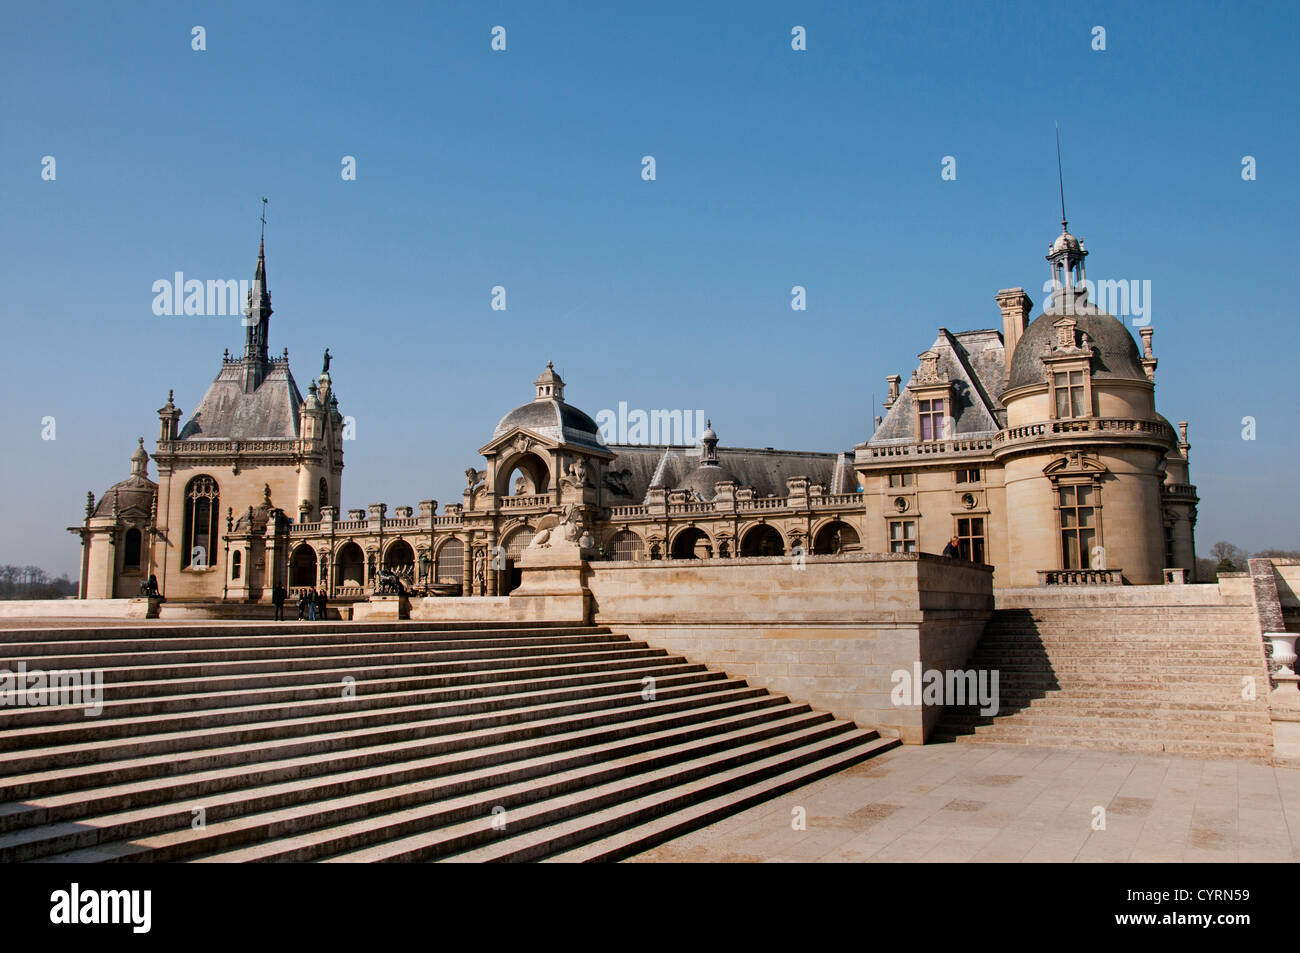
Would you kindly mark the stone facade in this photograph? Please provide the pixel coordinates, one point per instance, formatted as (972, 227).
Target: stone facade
(1039, 447)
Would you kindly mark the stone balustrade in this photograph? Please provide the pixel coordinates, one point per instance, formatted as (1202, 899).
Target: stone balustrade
(1080, 577)
(525, 500)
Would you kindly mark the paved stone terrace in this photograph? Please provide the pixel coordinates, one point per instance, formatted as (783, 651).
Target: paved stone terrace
(1008, 803)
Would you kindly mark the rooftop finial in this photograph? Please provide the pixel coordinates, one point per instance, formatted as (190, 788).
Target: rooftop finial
(264, 201)
(1060, 178)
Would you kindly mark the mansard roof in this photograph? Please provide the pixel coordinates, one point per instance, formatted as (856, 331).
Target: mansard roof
(226, 412)
(973, 362)
(635, 469)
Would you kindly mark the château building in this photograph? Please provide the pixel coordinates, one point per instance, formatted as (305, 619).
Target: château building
(1038, 446)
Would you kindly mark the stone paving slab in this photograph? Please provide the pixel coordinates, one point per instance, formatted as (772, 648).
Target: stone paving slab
(955, 803)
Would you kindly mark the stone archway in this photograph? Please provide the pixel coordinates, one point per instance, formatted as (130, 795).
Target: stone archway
(400, 558)
(692, 543)
(525, 475)
(302, 567)
(350, 567)
(762, 540)
(836, 536)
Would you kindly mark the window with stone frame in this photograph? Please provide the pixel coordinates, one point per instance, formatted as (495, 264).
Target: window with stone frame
(970, 538)
(931, 412)
(199, 529)
(902, 536)
(131, 549)
(970, 476)
(897, 480)
(1070, 394)
(1080, 523)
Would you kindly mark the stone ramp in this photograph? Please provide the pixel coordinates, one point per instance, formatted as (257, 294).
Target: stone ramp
(1123, 677)
(395, 742)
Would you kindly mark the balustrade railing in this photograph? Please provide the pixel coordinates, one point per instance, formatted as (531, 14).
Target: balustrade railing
(1080, 577)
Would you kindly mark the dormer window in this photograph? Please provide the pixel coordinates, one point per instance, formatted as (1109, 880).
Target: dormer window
(1070, 390)
(932, 413)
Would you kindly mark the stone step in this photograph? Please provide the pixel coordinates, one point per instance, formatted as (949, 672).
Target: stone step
(1014, 727)
(467, 671)
(319, 712)
(301, 736)
(656, 791)
(376, 691)
(164, 832)
(345, 751)
(347, 772)
(451, 660)
(433, 810)
(629, 841)
(1196, 749)
(277, 653)
(10, 648)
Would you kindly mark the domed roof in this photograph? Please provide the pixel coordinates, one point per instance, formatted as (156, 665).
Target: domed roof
(1115, 353)
(1065, 241)
(135, 493)
(548, 415)
(701, 480)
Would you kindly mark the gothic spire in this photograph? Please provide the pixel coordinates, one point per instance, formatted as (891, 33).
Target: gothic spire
(257, 319)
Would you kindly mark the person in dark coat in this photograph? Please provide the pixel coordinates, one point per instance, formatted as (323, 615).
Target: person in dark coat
(278, 595)
(953, 549)
(321, 604)
(302, 606)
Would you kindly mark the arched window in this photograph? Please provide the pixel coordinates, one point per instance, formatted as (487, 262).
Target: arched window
(627, 545)
(450, 562)
(236, 560)
(692, 544)
(350, 568)
(836, 537)
(131, 549)
(518, 542)
(199, 534)
(323, 497)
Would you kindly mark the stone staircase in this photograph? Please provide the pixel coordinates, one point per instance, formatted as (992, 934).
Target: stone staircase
(1127, 677)
(398, 742)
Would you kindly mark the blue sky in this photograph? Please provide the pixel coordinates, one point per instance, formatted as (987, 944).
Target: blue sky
(775, 168)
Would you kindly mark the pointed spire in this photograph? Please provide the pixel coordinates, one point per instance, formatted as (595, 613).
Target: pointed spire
(1060, 178)
(257, 319)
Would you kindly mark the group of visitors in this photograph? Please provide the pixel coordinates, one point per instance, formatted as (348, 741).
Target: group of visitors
(312, 604)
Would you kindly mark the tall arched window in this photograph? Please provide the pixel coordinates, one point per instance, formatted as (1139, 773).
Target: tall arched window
(236, 564)
(131, 549)
(199, 535)
(323, 497)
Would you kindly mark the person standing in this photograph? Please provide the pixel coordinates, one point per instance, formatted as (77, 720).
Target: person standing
(302, 604)
(278, 595)
(322, 605)
(311, 605)
(953, 549)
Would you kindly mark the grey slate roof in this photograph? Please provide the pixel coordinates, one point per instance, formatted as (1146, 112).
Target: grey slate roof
(637, 468)
(226, 412)
(1117, 355)
(974, 363)
(554, 419)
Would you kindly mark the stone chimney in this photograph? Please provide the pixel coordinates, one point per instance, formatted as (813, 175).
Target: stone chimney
(893, 380)
(1015, 305)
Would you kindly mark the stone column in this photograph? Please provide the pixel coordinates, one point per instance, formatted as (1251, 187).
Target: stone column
(493, 573)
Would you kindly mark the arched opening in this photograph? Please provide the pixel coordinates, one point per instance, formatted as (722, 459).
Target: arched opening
(626, 545)
(131, 549)
(836, 537)
(528, 475)
(400, 559)
(449, 564)
(199, 531)
(302, 568)
(516, 543)
(350, 567)
(236, 564)
(692, 543)
(762, 540)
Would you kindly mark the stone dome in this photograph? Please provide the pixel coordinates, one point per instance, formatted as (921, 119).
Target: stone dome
(135, 493)
(548, 415)
(1065, 242)
(1115, 353)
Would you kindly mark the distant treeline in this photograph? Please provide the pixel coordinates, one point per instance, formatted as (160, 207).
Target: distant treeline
(1227, 557)
(33, 582)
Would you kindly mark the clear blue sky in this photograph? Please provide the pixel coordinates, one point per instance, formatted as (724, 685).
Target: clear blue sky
(522, 169)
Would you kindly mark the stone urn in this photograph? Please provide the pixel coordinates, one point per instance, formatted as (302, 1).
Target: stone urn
(1284, 653)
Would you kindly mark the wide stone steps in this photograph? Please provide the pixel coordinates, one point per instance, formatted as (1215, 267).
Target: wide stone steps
(1164, 678)
(309, 744)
